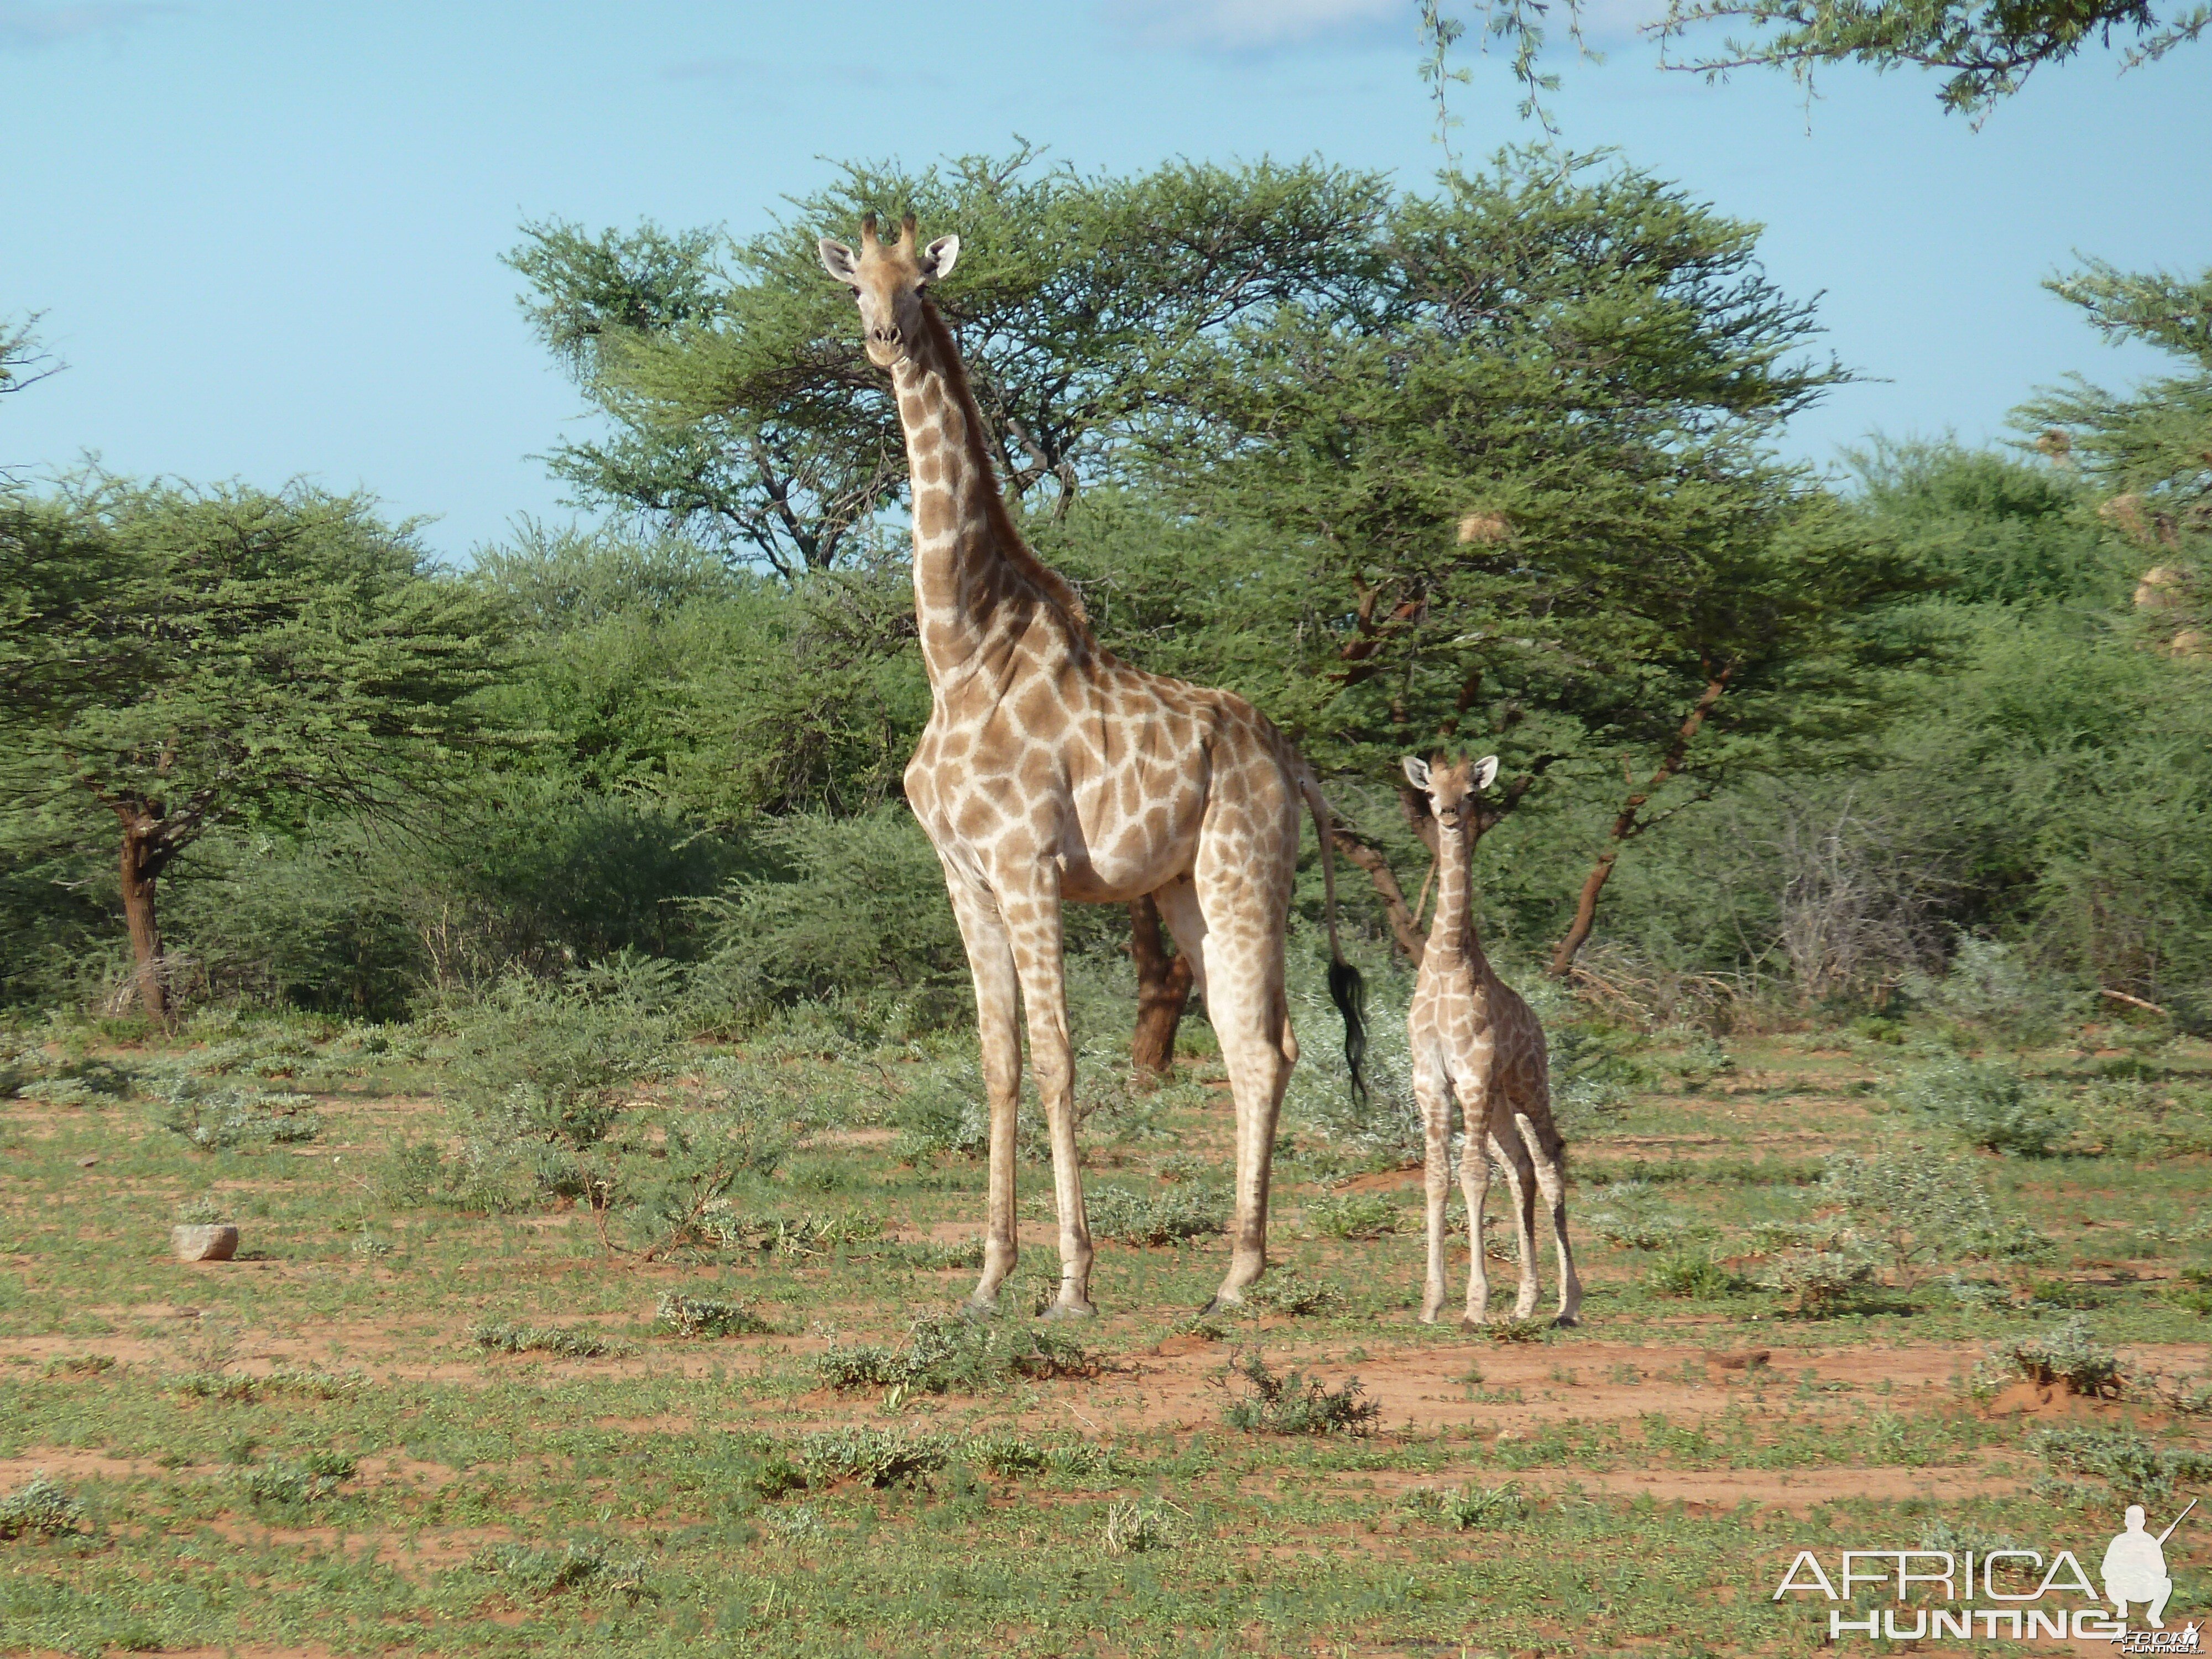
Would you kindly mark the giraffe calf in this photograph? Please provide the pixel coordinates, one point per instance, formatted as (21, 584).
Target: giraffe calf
(1474, 1038)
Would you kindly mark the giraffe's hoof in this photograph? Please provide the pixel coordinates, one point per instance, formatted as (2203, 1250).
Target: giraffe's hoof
(1568, 1319)
(976, 1309)
(1472, 1323)
(1060, 1310)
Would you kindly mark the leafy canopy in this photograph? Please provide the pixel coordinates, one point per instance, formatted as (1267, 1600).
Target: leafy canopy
(747, 415)
(180, 657)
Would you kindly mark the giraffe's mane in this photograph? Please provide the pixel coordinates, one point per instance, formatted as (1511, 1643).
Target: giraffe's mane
(1052, 588)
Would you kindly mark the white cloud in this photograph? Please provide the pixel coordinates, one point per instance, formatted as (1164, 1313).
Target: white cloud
(26, 28)
(1260, 25)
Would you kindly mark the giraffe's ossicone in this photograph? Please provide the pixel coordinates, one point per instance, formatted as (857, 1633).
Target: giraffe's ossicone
(1050, 770)
(1472, 1037)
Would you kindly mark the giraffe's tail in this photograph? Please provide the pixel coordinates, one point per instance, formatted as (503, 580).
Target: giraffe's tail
(1346, 989)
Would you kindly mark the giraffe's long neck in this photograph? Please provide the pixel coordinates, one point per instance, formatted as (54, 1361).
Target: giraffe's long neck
(977, 585)
(1454, 930)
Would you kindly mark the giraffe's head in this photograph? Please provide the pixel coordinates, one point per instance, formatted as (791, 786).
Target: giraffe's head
(888, 282)
(1453, 787)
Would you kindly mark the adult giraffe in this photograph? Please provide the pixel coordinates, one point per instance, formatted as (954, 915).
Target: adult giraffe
(1050, 770)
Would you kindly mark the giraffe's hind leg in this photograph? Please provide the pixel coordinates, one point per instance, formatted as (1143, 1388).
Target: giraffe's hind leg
(1541, 1136)
(1520, 1177)
(1242, 892)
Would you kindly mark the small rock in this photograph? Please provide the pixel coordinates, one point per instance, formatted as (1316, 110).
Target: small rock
(217, 1243)
(86, 1162)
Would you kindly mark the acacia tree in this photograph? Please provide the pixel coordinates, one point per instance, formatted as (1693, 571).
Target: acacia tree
(746, 414)
(1988, 47)
(1522, 485)
(172, 659)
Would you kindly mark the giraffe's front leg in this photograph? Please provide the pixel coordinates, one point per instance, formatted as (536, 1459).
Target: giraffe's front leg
(1474, 1184)
(1029, 902)
(1428, 1092)
(991, 961)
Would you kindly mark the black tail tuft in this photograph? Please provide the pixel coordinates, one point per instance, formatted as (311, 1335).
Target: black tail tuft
(1349, 993)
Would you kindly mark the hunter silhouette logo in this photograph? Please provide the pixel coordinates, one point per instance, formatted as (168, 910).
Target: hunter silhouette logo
(1950, 1585)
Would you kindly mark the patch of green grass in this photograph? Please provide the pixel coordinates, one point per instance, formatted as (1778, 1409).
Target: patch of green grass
(1169, 1218)
(1353, 1215)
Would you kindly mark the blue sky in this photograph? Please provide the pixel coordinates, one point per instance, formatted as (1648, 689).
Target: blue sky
(266, 237)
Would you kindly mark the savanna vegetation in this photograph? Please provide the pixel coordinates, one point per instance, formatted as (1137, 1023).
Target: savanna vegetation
(536, 962)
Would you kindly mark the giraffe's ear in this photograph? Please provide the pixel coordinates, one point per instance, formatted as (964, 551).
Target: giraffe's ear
(840, 262)
(1485, 770)
(1417, 773)
(938, 258)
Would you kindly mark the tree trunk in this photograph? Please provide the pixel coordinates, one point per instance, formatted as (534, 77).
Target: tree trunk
(140, 865)
(1625, 825)
(1162, 993)
(1399, 914)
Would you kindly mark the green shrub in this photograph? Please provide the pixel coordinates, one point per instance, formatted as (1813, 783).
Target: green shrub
(1629, 1230)
(1295, 1297)
(220, 1116)
(1470, 1509)
(789, 1238)
(2068, 1355)
(1820, 1281)
(554, 1062)
(290, 1484)
(1169, 1217)
(1353, 1215)
(1992, 984)
(1138, 1526)
(1991, 1107)
(875, 1457)
(1914, 1204)
(539, 1573)
(943, 1114)
(503, 1338)
(691, 1316)
(40, 1508)
(944, 1353)
(2193, 1290)
(2130, 1463)
(1691, 1273)
(1262, 1402)
(1007, 1454)
(793, 932)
